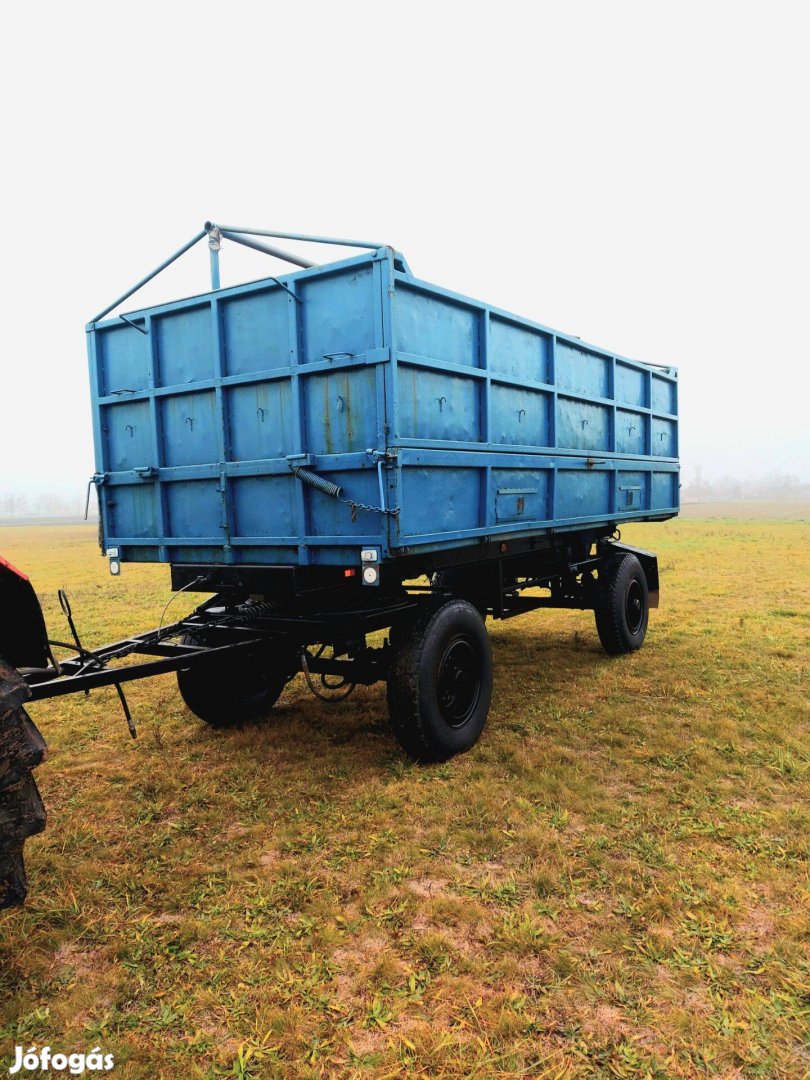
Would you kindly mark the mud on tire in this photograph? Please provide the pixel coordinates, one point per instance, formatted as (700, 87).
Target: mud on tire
(22, 813)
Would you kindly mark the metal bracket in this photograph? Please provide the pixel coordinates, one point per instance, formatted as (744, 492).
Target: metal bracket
(97, 479)
(129, 322)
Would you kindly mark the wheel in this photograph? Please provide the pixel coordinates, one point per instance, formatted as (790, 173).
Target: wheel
(622, 605)
(22, 814)
(440, 681)
(233, 690)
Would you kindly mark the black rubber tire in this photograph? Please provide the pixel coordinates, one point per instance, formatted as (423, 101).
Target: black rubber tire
(22, 814)
(445, 646)
(233, 691)
(622, 605)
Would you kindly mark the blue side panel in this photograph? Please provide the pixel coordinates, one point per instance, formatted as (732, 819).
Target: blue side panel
(521, 495)
(631, 385)
(260, 419)
(580, 493)
(519, 416)
(664, 395)
(129, 435)
(185, 346)
(339, 411)
(338, 314)
(582, 425)
(194, 509)
(631, 432)
(512, 428)
(255, 331)
(264, 507)
(471, 421)
(451, 506)
(133, 511)
(582, 371)
(436, 405)
(436, 326)
(189, 423)
(519, 351)
(125, 360)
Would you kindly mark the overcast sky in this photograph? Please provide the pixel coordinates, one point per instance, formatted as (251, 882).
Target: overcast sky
(633, 173)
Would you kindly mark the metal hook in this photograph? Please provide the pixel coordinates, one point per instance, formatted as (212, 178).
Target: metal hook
(521, 414)
(442, 400)
(131, 429)
(260, 413)
(127, 714)
(129, 322)
(190, 422)
(97, 479)
(584, 424)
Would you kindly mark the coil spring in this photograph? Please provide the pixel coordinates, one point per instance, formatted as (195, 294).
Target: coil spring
(257, 609)
(335, 491)
(326, 486)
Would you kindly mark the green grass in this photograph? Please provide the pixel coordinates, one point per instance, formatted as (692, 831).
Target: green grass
(614, 882)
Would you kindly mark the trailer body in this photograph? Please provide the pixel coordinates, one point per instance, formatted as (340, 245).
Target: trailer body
(285, 443)
(447, 424)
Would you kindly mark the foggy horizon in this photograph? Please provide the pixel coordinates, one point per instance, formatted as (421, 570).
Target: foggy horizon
(660, 217)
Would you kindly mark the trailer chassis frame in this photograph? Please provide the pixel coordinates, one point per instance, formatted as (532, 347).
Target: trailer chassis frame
(230, 623)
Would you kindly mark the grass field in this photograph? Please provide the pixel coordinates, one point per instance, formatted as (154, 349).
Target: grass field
(614, 882)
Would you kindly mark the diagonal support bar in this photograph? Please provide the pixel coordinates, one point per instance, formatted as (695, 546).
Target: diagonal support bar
(297, 260)
(181, 251)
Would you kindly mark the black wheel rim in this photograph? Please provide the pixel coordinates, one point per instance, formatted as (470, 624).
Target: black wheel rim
(634, 606)
(459, 682)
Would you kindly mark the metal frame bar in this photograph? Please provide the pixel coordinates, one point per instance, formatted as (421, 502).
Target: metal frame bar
(471, 304)
(166, 262)
(44, 688)
(88, 669)
(238, 235)
(303, 624)
(267, 249)
(373, 245)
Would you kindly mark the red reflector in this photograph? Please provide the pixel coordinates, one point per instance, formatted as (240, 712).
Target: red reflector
(350, 573)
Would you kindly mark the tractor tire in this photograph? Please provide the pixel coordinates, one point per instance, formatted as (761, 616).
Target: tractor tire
(22, 813)
(440, 681)
(622, 606)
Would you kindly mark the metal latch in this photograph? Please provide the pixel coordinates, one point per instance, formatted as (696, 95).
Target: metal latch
(97, 479)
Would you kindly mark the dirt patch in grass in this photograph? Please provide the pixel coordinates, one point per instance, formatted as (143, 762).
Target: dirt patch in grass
(427, 888)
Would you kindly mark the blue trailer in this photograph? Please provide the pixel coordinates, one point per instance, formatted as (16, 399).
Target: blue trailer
(347, 449)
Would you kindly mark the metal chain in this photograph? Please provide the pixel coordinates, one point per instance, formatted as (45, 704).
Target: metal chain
(365, 506)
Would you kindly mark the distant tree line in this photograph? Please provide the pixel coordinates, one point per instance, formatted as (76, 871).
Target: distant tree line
(16, 505)
(776, 486)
